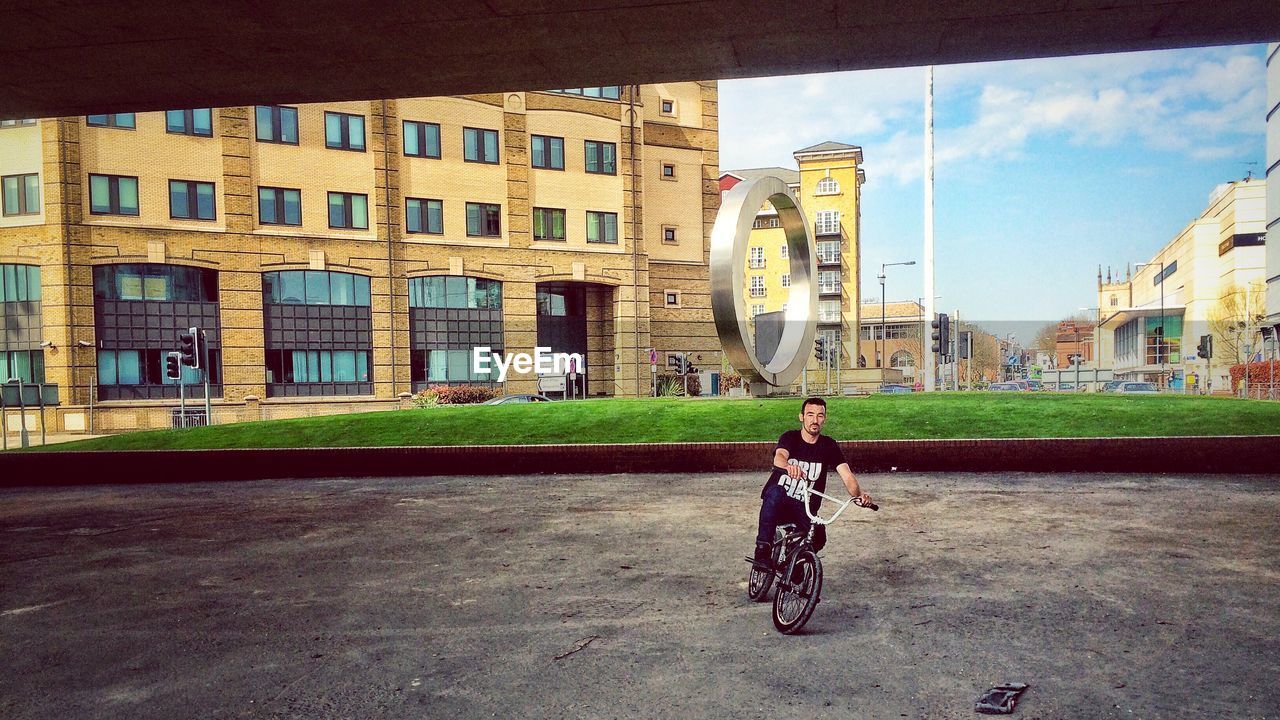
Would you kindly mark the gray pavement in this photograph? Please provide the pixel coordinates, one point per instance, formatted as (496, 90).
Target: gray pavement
(624, 596)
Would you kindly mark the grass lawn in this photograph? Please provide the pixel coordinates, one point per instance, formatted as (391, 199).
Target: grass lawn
(935, 415)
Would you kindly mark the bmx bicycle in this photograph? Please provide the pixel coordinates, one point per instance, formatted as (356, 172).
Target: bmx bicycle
(796, 567)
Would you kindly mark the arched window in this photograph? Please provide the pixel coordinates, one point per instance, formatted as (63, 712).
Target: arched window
(902, 359)
(828, 186)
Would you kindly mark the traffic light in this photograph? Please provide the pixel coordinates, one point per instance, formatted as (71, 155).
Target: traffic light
(1205, 348)
(966, 341)
(1268, 332)
(173, 366)
(189, 347)
(941, 335)
(820, 349)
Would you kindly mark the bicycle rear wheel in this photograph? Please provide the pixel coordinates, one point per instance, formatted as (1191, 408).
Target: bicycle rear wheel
(797, 594)
(759, 581)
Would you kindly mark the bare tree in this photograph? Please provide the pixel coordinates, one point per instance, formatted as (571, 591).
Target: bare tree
(1046, 339)
(1235, 319)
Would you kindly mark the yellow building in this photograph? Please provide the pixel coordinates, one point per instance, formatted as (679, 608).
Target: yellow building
(339, 256)
(828, 184)
(1151, 322)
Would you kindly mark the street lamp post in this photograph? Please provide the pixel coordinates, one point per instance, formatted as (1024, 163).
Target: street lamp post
(884, 340)
(1095, 347)
(1160, 343)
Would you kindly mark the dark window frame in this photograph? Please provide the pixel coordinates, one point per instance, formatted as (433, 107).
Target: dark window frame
(348, 214)
(17, 122)
(344, 129)
(600, 160)
(424, 216)
(279, 202)
(482, 208)
(669, 235)
(24, 207)
(564, 224)
(548, 152)
(112, 121)
(113, 194)
(192, 205)
(277, 125)
(480, 144)
(602, 225)
(420, 131)
(188, 123)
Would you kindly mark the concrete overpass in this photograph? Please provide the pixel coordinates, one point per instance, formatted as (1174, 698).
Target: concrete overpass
(72, 57)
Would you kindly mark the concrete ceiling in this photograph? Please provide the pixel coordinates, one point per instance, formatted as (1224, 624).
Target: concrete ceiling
(71, 57)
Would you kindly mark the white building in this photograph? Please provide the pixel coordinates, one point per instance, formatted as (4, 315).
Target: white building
(1175, 295)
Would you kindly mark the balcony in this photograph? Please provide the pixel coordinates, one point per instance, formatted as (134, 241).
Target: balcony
(829, 258)
(826, 228)
(828, 288)
(826, 316)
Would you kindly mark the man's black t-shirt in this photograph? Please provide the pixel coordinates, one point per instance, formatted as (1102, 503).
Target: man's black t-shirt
(816, 460)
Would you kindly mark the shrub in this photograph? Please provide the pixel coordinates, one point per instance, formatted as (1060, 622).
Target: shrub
(673, 385)
(1263, 377)
(454, 395)
(729, 382)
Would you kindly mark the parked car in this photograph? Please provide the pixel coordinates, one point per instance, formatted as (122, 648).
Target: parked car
(1066, 387)
(1035, 385)
(512, 399)
(894, 388)
(1005, 387)
(1137, 388)
(1112, 385)
(1023, 385)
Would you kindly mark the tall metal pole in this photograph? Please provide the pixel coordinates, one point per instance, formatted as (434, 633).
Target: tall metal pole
(929, 311)
(881, 346)
(204, 368)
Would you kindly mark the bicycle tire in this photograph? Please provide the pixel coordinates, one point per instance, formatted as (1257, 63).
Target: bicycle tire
(798, 595)
(759, 581)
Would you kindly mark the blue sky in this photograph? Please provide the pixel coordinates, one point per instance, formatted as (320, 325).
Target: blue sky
(1045, 168)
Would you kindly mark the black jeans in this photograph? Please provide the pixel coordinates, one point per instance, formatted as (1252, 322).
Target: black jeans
(778, 508)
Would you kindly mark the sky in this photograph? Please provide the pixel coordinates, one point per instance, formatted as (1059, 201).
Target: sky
(1044, 169)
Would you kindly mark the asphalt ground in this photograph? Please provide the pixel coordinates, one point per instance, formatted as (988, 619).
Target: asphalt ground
(623, 596)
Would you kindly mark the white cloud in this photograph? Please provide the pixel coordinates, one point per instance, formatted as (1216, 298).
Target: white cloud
(1205, 102)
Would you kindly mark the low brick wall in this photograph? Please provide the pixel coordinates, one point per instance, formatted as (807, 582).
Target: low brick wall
(1234, 454)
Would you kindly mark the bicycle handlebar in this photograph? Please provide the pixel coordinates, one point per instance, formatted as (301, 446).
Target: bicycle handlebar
(818, 520)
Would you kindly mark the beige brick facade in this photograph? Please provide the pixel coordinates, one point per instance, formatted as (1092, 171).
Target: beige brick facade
(626, 313)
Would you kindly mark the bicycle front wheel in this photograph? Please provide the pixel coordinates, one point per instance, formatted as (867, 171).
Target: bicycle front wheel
(798, 593)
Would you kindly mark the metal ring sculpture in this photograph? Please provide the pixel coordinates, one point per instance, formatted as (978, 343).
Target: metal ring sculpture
(729, 239)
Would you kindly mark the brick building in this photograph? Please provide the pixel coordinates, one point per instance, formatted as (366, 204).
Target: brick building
(339, 255)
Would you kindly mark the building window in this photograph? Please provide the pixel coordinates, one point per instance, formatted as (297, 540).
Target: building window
(21, 195)
(548, 152)
(317, 367)
(828, 222)
(829, 281)
(828, 186)
(113, 195)
(757, 286)
(756, 259)
(602, 227)
(191, 200)
(25, 364)
(449, 316)
(276, 124)
(484, 220)
(279, 206)
(784, 251)
(786, 280)
(189, 122)
(668, 171)
(348, 211)
(611, 92)
(146, 281)
(601, 157)
(343, 131)
(315, 287)
(668, 107)
(19, 283)
(548, 224)
(480, 145)
(118, 120)
(17, 123)
(829, 251)
(672, 298)
(757, 310)
(1114, 301)
(669, 235)
(828, 311)
(421, 139)
(424, 216)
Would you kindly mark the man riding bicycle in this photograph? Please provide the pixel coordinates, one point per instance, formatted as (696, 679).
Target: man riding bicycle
(803, 457)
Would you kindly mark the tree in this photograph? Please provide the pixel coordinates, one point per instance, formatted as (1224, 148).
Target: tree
(986, 359)
(1235, 319)
(1046, 339)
